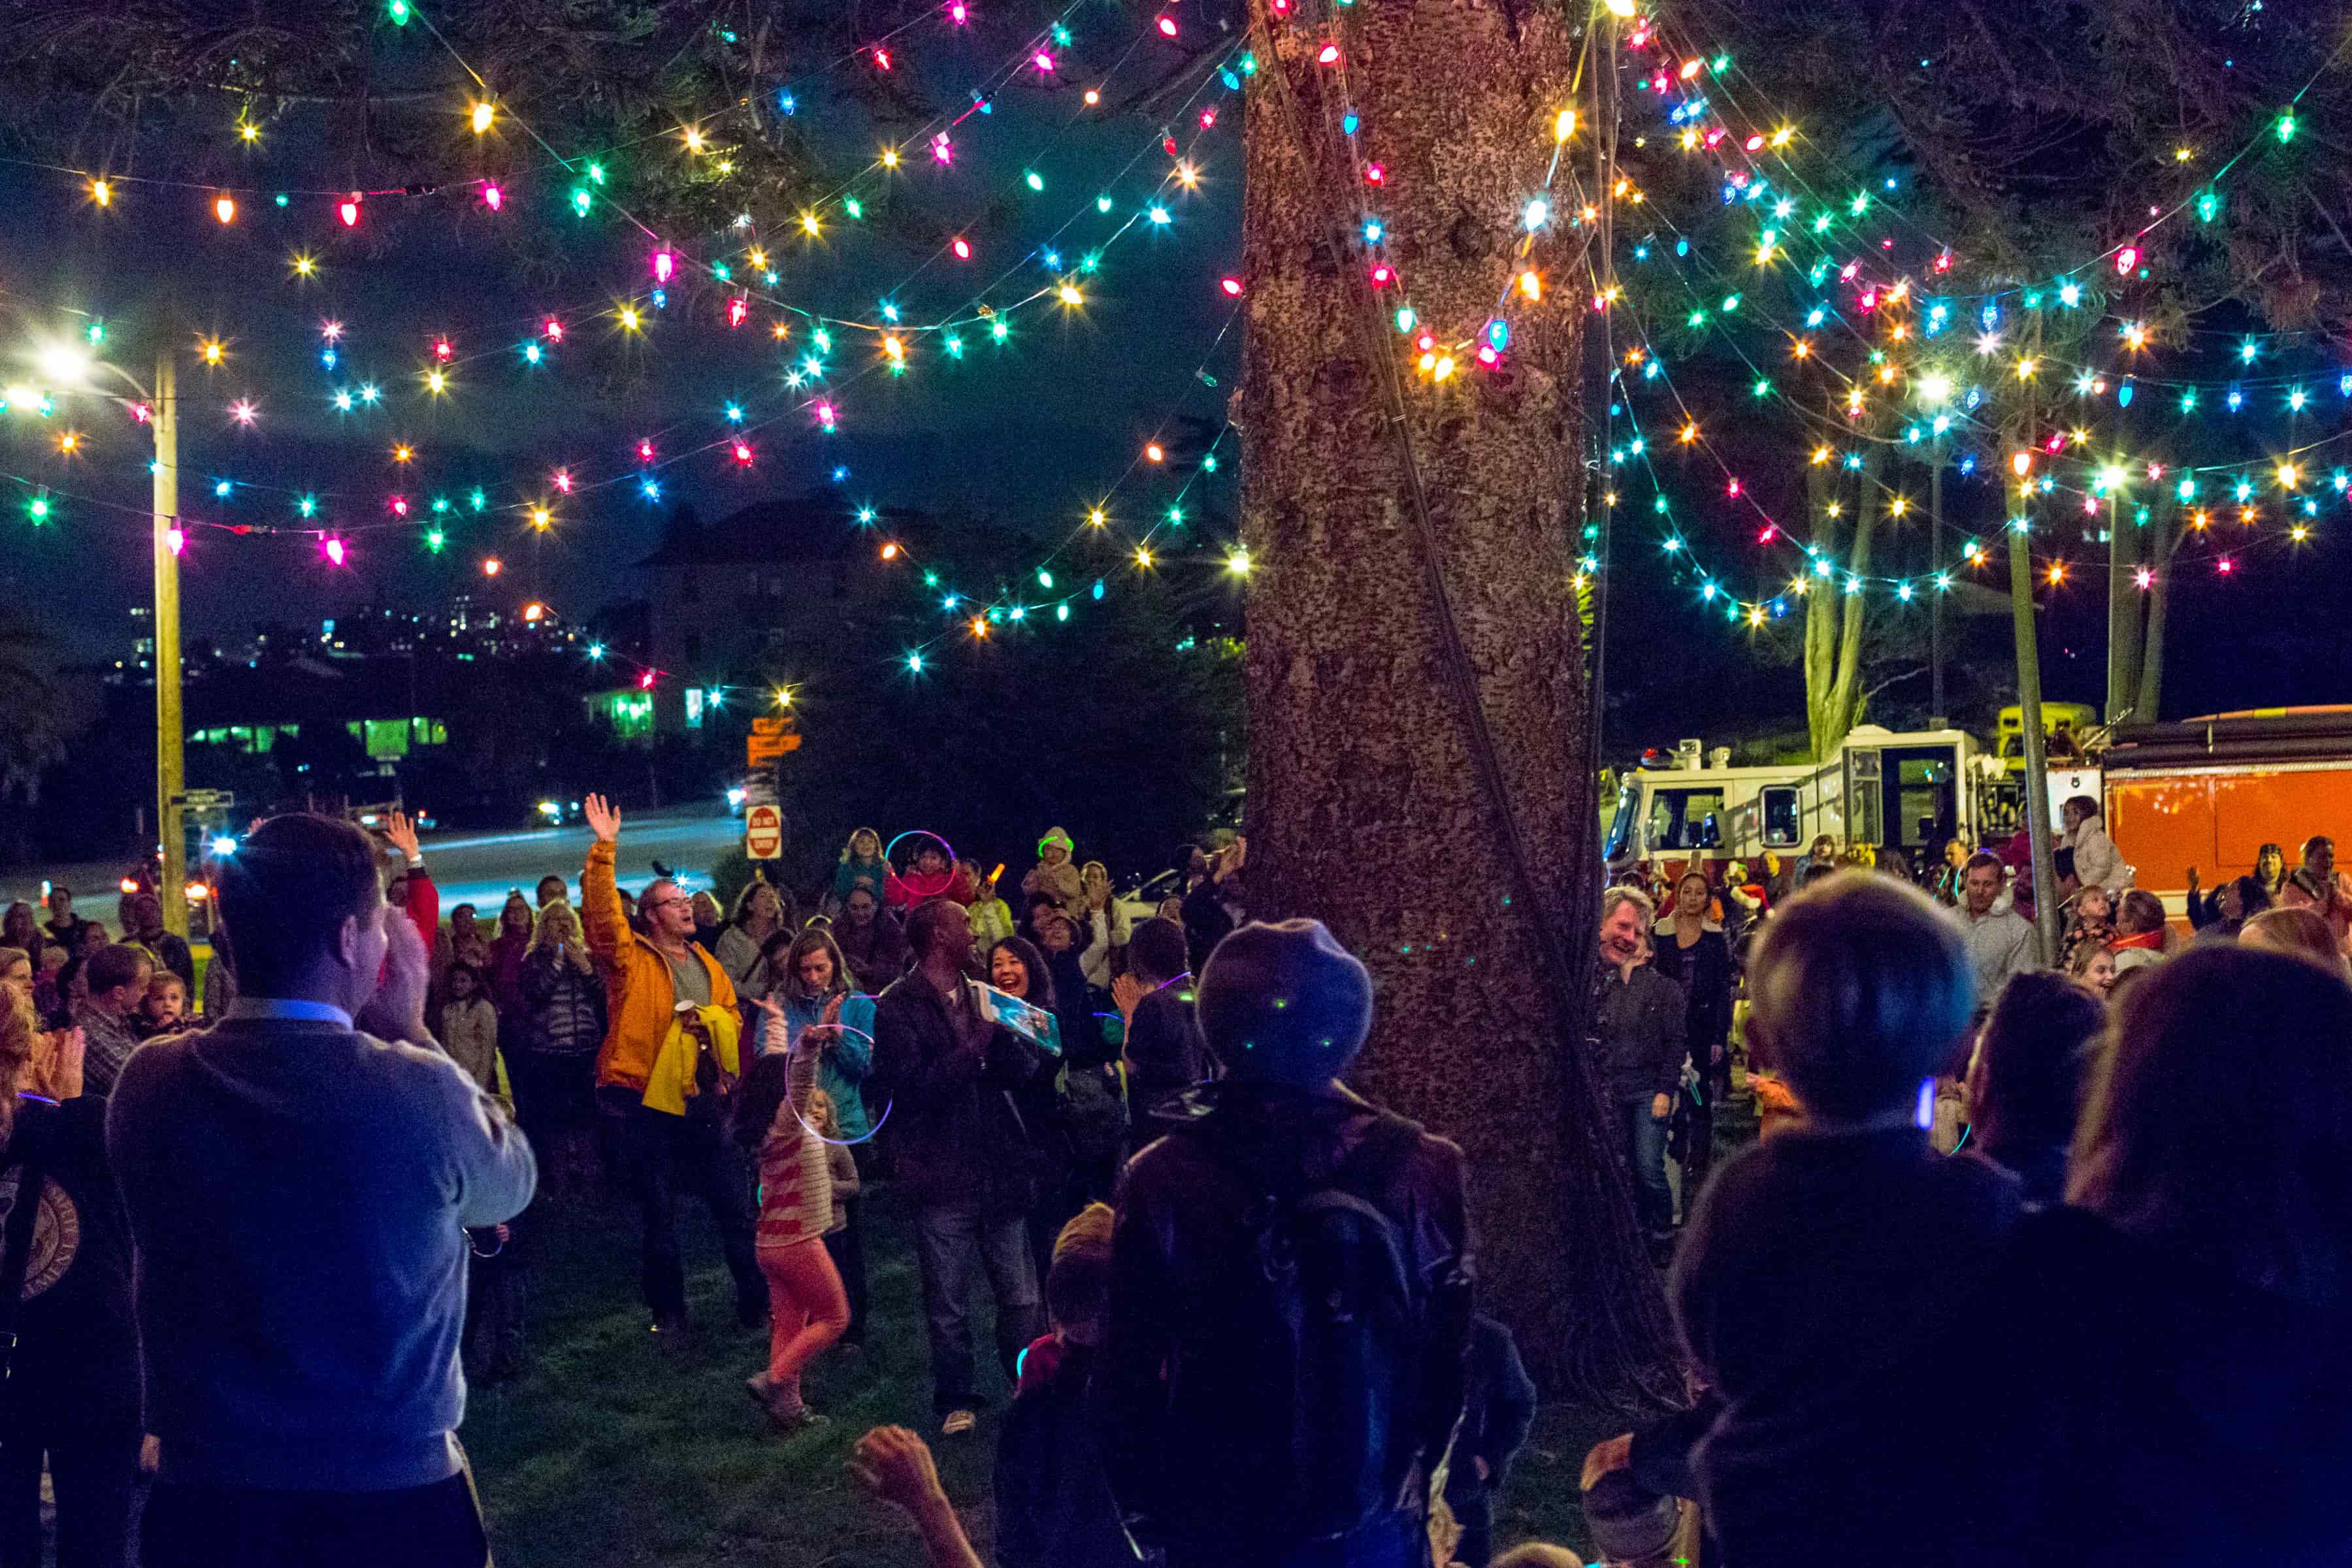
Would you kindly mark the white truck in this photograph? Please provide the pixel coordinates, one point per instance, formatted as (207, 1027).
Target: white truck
(1908, 793)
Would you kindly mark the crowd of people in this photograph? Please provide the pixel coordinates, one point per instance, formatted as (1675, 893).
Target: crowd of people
(1236, 1301)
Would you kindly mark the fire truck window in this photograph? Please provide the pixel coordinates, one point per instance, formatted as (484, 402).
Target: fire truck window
(1781, 829)
(1679, 817)
(1925, 797)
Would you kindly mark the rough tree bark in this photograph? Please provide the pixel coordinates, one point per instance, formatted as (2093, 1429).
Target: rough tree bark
(1833, 617)
(2126, 615)
(1368, 808)
(2163, 540)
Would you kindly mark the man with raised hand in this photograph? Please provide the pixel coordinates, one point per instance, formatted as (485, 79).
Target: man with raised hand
(650, 974)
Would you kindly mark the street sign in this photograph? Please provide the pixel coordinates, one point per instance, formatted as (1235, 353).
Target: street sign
(763, 833)
(762, 750)
(209, 800)
(771, 725)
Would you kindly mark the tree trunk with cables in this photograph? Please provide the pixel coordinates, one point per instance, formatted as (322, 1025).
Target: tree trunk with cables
(1418, 705)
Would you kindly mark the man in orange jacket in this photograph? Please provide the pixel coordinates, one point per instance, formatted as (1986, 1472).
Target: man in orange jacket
(646, 979)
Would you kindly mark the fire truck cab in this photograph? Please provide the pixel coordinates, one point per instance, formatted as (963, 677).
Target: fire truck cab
(1903, 793)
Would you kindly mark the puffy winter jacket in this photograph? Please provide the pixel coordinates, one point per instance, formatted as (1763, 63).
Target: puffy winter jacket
(640, 996)
(563, 1006)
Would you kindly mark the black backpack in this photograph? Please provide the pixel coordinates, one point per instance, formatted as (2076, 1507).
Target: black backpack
(1337, 1348)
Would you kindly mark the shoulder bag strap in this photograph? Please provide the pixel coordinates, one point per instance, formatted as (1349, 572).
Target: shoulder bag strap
(16, 1251)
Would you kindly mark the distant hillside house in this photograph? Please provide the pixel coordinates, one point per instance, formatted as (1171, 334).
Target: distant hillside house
(723, 593)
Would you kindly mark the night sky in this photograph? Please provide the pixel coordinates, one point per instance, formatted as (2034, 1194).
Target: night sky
(1033, 431)
(1037, 428)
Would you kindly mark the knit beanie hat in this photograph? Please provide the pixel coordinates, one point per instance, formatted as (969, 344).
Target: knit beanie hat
(1284, 1003)
(1055, 837)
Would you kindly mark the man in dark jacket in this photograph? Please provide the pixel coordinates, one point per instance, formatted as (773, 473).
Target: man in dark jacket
(1284, 1419)
(1638, 1026)
(966, 1158)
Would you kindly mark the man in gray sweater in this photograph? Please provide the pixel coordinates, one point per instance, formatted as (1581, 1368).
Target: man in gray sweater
(298, 1179)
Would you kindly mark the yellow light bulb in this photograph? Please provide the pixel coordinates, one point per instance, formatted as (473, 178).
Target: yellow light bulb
(483, 115)
(541, 517)
(249, 132)
(1531, 285)
(435, 382)
(889, 157)
(1143, 558)
(628, 318)
(693, 139)
(1070, 294)
(304, 266)
(808, 222)
(1563, 125)
(1097, 517)
(101, 191)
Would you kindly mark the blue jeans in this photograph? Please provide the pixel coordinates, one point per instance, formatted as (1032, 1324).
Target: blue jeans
(948, 1241)
(1645, 1146)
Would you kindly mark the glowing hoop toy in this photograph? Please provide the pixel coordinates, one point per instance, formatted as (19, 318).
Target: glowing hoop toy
(806, 1125)
(921, 887)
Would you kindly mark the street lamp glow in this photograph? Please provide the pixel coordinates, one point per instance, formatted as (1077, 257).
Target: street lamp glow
(223, 845)
(63, 365)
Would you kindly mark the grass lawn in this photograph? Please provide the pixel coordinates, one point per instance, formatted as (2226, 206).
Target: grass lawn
(609, 1451)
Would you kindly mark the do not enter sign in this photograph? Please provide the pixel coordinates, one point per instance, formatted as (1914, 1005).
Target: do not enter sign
(763, 833)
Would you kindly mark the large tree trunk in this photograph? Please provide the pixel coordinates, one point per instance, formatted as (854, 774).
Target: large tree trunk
(2125, 611)
(2161, 544)
(1833, 617)
(1375, 753)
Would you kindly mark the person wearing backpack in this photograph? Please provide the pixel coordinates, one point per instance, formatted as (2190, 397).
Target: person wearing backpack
(1290, 1294)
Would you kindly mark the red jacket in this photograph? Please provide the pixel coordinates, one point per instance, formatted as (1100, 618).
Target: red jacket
(423, 906)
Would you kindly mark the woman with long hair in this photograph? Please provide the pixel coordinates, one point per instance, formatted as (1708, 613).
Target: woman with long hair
(1691, 950)
(20, 928)
(553, 1065)
(814, 989)
(72, 1386)
(1017, 968)
(2170, 1353)
(504, 971)
(761, 910)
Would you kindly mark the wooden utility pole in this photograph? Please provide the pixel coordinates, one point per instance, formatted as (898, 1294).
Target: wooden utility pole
(171, 775)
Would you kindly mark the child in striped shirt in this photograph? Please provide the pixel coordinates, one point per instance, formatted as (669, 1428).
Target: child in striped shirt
(775, 1117)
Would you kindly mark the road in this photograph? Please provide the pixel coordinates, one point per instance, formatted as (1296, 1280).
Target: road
(478, 867)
